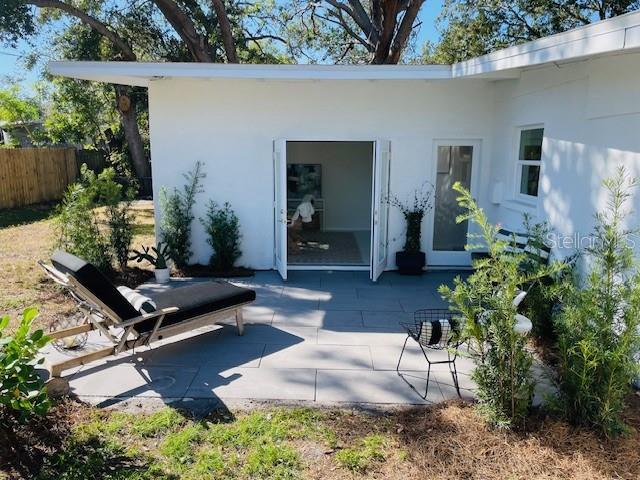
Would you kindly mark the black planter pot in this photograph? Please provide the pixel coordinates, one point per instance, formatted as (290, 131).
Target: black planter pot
(410, 263)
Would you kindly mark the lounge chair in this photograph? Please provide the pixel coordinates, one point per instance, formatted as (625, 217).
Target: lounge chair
(165, 314)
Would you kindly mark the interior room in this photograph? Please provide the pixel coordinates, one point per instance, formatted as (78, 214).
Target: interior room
(329, 203)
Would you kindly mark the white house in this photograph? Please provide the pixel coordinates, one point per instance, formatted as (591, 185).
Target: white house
(530, 129)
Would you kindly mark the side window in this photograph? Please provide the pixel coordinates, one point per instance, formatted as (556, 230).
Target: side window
(529, 156)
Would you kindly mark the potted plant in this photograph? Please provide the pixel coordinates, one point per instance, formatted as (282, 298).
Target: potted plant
(411, 260)
(156, 256)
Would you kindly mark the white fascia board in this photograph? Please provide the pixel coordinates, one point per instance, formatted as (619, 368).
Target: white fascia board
(608, 36)
(139, 73)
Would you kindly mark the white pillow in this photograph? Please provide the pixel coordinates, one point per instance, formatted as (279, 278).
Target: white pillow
(141, 303)
(432, 330)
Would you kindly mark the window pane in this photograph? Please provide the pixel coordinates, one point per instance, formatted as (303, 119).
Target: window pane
(531, 144)
(454, 165)
(529, 180)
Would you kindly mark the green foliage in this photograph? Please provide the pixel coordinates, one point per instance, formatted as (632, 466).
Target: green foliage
(16, 21)
(77, 228)
(598, 327)
(80, 112)
(156, 256)
(485, 303)
(545, 295)
(14, 108)
(78, 221)
(414, 211)
(474, 27)
(177, 215)
(223, 227)
(21, 389)
(358, 459)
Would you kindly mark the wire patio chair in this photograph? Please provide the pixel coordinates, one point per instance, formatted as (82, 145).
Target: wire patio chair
(435, 330)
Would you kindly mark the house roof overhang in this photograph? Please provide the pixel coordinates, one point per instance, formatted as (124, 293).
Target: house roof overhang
(617, 35)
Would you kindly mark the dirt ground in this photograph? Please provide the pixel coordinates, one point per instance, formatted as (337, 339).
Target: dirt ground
(26, 236)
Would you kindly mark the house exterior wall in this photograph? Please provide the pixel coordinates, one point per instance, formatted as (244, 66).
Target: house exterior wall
(590, 111)
(231, 125)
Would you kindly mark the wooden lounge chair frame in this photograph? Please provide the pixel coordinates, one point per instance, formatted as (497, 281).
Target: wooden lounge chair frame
(98, 316)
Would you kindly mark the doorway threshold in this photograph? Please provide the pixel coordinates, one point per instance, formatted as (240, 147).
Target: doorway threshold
(346, 268)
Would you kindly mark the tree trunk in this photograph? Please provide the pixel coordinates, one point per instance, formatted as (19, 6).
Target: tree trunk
(126, 106)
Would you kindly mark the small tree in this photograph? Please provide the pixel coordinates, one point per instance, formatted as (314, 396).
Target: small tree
(223, 227)
(485, 302)
(177, 215)
(598, 327)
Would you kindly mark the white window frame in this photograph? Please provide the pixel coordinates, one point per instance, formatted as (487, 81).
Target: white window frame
(517, 176)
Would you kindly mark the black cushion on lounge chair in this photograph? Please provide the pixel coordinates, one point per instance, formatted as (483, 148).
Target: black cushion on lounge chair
(93, 280)
(198, 299)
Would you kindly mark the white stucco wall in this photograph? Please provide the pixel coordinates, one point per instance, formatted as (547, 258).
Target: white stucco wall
(590, 111)
(231, 124)
(591, 116)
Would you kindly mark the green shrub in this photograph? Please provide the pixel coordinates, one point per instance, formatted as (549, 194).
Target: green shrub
(598, 327)
(223, 227)
(485, 302)
(177, 215)
(21, 389)
(77, 228)
(78, 224)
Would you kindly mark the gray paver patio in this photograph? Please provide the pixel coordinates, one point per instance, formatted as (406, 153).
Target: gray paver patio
(320, 337)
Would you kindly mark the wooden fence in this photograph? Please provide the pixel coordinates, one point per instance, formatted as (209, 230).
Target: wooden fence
(34, 175)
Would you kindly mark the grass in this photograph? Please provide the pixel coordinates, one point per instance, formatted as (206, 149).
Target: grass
(26, 236)
(439, 442)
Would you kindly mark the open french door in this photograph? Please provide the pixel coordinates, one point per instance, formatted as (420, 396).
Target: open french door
(280, 205)
(380, 208)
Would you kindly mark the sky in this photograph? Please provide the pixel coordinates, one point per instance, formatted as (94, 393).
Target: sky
(11, 65)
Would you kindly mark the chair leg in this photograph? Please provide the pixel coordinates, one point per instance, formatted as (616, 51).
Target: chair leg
(239, 321)
(402, 353)
(454, 373)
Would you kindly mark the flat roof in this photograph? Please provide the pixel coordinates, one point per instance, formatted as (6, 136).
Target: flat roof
(613, 36)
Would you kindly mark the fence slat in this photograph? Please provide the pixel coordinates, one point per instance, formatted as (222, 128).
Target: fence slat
(33, 175)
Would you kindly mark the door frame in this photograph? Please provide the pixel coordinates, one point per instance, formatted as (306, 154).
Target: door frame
(457, 259)
(336, 139)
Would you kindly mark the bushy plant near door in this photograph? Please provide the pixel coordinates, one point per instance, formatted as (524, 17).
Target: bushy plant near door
(598, 326)
(485, 303)
(223, 227)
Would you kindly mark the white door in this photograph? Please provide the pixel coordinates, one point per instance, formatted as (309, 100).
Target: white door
(380, 208)
(454, 162)
(280, 205)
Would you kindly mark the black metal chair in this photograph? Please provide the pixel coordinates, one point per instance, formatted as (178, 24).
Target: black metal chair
(433, 329)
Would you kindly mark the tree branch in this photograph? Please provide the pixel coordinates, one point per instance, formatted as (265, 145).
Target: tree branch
(92, 22)
(225, 29)
(405, 29)
(197, 45)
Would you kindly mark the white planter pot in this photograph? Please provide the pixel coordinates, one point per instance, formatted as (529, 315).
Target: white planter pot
(162, 275)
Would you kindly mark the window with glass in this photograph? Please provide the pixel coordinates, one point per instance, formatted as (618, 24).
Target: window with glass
(529, 157)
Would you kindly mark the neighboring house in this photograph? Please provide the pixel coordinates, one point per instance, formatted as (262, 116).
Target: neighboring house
(19, 134)
(530, 129)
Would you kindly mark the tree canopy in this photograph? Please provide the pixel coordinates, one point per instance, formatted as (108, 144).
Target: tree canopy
(475, 27)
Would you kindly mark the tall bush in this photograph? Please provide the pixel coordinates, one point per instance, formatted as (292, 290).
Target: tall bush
(413, 211)
(485, 303)
(177, 215)
(21, 389)
(223, 227)
(77, 228)
(598, 327)
(78, 222)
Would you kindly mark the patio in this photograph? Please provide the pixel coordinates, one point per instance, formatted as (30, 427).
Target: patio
(321, 337)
